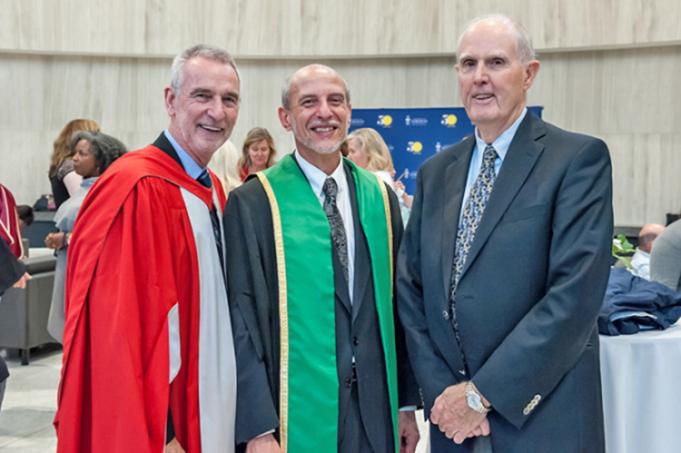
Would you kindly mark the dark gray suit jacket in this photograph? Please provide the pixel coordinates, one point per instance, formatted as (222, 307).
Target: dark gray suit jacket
(529, 293)
(253, 290)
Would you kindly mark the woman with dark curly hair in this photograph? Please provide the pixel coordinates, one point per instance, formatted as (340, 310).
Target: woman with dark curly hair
(64, 180)
(92, 152)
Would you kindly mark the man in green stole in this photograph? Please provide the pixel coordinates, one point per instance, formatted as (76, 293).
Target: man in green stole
(321, 359)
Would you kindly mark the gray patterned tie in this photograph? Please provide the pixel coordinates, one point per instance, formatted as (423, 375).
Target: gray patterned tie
(472, 214)
(338, 237)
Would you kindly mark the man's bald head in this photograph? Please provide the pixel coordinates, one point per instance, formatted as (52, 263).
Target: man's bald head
(306, 73)
(649, 232)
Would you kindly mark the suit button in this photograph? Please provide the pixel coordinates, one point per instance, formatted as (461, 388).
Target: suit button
(445, 314)
(355, 341)
(348, 382)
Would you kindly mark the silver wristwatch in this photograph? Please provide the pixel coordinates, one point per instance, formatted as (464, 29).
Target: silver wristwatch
(474, 399)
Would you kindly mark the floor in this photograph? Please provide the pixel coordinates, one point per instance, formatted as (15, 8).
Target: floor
(31, 400)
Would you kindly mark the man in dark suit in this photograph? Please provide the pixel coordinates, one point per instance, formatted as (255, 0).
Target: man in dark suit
(504, 265)
(320, 360)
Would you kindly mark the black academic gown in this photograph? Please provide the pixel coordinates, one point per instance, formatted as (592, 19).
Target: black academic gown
(253, 290)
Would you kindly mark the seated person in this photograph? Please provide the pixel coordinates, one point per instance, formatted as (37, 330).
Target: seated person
(640, 262)
(665, 258)
(26, 216)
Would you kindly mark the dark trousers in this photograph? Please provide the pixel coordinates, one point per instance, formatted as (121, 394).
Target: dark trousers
(2, 391)
(352, 436)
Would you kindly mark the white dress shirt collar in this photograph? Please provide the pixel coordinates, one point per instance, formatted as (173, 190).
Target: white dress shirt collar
(316, 177)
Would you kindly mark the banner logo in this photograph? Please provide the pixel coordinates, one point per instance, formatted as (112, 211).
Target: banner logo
(415, 147)
(385, 120)
(449, 120)
(357, 122)
(415, 121)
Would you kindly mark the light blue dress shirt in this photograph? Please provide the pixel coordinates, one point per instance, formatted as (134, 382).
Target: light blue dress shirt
(193, 169)
(501, 145)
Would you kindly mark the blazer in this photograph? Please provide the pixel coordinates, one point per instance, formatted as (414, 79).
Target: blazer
(529, 293)
(253, 296)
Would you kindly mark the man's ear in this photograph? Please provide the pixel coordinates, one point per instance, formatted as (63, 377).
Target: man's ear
(169, 96)
(531, 70)
(284, 118)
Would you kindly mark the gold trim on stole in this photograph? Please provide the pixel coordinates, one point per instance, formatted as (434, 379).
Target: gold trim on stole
(389, 221)
(283, 312)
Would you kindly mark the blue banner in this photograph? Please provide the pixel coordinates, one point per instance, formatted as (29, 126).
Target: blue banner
(414, 135)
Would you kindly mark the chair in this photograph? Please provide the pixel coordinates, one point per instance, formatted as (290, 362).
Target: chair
(24, 312)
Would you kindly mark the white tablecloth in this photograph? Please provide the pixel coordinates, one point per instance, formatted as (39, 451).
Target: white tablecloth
(641, 377)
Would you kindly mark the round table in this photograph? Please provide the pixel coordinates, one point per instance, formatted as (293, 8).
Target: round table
(641, 377)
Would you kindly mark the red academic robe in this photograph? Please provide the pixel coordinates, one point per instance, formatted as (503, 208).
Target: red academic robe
(9, 222)
(131, 259)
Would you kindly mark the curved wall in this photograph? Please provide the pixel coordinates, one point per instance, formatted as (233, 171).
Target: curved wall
(609, 68)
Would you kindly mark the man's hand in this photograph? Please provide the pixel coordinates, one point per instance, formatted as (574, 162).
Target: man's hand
(453, 417)
(21, 283)
(55, 240)
(263, 444)
(173, 447)
(408, 431)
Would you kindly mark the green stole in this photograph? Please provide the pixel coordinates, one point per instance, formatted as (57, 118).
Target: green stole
(308, 400)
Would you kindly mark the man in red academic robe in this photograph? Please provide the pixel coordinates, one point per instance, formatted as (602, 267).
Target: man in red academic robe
(9, 222)
(148, 355)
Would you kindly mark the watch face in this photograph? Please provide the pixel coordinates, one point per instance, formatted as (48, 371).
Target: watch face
(474, 401)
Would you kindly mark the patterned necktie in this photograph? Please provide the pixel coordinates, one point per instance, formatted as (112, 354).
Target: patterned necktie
(204, 178)
(472, 214)
(338, 237)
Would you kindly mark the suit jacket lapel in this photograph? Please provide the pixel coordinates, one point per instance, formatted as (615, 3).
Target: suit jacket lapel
(455, 184)
(518, 163)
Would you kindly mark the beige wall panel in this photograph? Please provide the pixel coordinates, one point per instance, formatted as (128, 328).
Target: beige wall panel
(646, 171)
(276, 29)
(626, 97)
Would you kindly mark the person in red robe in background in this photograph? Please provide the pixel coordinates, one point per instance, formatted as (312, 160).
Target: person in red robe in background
(9, 222)
(148, 361)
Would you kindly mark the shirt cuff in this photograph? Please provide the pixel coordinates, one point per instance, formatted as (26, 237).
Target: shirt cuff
(271, 431)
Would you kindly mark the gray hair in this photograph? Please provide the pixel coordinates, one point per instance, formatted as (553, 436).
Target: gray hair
(104, 148)
(523, 41)
(286, 88)
(202, 51)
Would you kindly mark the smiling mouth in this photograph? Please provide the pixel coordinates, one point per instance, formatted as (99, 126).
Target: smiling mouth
(483, 96)
(211, 128)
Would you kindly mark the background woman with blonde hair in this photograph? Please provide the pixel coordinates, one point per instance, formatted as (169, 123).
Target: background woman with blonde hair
(64, 180)
(257, 153)
(368, 150)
